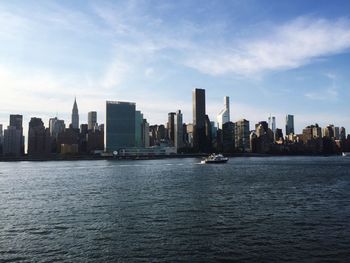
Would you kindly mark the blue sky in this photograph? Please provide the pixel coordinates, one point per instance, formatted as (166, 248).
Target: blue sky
(270, 57)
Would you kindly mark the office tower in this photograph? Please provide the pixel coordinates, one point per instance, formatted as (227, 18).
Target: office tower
(272, 123)
(329, 131)
(224, 115)
(1, 139)
(145, 133)
(342, 134)
(120, 125)
(12, 141)
(75, 115)
(178, 137)
(242, 135)
(171, 127)
(16, 121)
(316, 131)
(92, 120)
(37, 137)
(138, 128)
(336, 133)
(199, 137)
(208, 135)
(289, 124)
(228, 136)
(56, 126)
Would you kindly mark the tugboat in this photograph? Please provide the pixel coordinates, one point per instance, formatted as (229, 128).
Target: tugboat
(215, 158)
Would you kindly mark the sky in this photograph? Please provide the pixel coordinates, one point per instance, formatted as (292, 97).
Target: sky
(270, 57)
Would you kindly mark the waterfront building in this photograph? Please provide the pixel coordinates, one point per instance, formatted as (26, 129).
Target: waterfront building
(289, 124)
(178, 131)
(138, 128)
(120, 125)
(56, 126)
(228, 136)
(1, 139)
(75, 115)
(342, 134)
(171, 128)
(272, 123)
(328, 132)
(242, 135)
(279, 136)
(16, 121)
(199, 120)
(189, 132)
(145, 134)
(336, 133)
(224, 115)
(39, 139)
(95, 141)
(92, 120)
(12, 141)
(68, 141)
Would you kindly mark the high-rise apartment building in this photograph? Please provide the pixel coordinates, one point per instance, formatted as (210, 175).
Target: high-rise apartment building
(242, 135)
(119, 125)
(199, 119)
(178, 138)
(171, 127)
(75, 116)
(289, 124)
(224, 115)
(92, 120)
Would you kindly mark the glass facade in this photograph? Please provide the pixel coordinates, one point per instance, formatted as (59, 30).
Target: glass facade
(120, 125)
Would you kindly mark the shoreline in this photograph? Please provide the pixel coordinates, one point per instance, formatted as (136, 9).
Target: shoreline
(150, 157)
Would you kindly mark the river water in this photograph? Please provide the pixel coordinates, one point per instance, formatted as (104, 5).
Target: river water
(251, 209)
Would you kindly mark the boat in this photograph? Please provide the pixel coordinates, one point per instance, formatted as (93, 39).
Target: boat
(345, 154)
(215, 158)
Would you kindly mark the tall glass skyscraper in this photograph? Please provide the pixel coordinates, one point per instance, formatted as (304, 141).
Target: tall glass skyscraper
(120, 125)
(289, 124)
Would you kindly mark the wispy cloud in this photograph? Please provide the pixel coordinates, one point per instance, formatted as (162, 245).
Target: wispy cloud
(291, 45)
(330, 94)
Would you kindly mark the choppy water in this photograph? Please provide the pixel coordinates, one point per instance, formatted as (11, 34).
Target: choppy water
(250, 209)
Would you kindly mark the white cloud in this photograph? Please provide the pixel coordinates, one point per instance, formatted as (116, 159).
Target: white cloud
(330, 94)
(291, 45)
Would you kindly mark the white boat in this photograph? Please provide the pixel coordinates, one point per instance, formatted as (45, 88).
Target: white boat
(215, 158)
(346, 154)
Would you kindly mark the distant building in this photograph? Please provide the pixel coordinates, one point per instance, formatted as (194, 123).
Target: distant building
(228, 136)
(178, 131)
(39, 139)
(12, 141)
(138, 129)
(120, 125)
(56, 126)
(1, 139)
(272, 123)
(145, 134)
(342, 134)
(328, 132)
(199, 120)
(289, 124)
(75, 116)
(92, 120)
(16, 121)
(224, 115)
(336, 133)
(95, 140)
(242, 135)
(171, 128)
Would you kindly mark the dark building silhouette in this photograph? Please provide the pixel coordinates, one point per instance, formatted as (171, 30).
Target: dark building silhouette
(228, 136)
(289, 124)
(16, 121)
(171, 127)
(37, 138)
(92, 120)
(199, 119)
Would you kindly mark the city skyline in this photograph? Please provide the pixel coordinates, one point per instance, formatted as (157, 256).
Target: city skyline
(156, 54)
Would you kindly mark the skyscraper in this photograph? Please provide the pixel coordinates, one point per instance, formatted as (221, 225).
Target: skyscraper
(138, 128)
(224, 115)
(16, 121)
(178, 137)
(38, 138)
(289, 124)
(12, 141)
(272, 123)
(92, 120)
(199, 137)
(120, 125)
(242, 135)
(171, 127)
(56, 127)
(75, 115)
